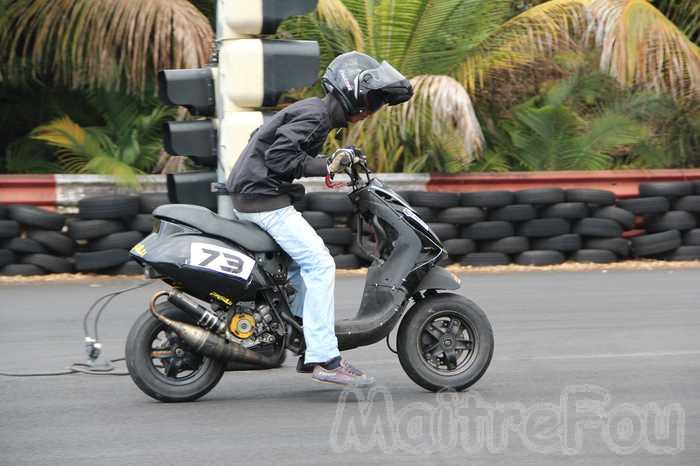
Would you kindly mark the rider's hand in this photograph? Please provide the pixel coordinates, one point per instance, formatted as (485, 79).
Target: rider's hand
(340, 160)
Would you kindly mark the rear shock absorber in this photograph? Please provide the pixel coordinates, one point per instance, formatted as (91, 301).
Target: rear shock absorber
(205, 318)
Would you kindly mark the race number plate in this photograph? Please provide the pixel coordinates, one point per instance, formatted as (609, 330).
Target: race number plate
(221, 260)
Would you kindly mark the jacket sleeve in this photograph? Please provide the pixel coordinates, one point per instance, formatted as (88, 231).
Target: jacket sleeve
(286, 155)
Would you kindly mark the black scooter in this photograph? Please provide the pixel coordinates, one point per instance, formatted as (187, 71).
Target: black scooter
(179, 350)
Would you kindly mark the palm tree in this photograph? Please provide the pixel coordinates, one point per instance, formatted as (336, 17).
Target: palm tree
(451, 46)
(127, 145)
(108, 44)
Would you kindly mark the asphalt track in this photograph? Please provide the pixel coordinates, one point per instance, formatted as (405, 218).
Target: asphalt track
(596, 353)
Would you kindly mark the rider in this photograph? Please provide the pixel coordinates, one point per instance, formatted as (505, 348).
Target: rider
(286, 148)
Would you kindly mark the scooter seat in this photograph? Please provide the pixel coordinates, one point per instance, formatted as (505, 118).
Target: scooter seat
(247, 234)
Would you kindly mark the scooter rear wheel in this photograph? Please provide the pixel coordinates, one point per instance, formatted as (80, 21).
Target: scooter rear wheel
(445, 341)
(162, 365)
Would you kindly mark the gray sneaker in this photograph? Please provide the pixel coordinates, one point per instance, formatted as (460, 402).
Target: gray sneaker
(344, 374)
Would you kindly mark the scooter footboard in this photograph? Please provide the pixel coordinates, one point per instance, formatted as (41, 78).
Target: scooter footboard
(381, 309)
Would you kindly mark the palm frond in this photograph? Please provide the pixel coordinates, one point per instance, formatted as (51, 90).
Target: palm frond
(336, 15)
(103, 43)
(62, 133)
(436, 130)
(536, 33)
(684, 13)
(641, 47)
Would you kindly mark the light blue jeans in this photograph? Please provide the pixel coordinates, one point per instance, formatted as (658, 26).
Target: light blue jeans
(312, 274)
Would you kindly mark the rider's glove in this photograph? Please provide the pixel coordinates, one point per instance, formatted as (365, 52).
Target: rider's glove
(340, 160)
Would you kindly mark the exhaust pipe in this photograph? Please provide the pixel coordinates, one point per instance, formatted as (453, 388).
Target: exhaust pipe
(206, 342)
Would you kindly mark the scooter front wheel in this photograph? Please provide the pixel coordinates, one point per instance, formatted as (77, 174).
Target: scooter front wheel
(445, 341)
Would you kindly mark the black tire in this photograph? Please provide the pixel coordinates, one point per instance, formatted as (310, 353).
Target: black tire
(540, 257)
(444, 231)
(36, 218)
(461, 215)
(447, 260)
(645, 205)
(597, 227)
(143, 223)
(488, 230)
(7, 257)
(21, 270)
(51, 264)
(335, 250)
(544, 227)
(121, 240)
(8, 229)
(563, 243)
(405, 195)
(692, 237)
(426, 213)
(332, 203)
(108, 207)
(599, 197)
(487, 199)
(459, 246)
(300, 204)
(128, 268)
(3, 212)
(485, 259)
(656, 243)
(435, 200)
(509, 245)
(514, 213)
(619, 246)
(671, 220)
(540, 196)
(149, 379)
(54, 241)
(669, 189)
(347, 261)
(149, 201)
(318, 219)
(596, 256)
(472, 321)
(95, 261)
(683, 253)
(688, 203)
(624, 217)
(24, 246)
(566, 210)
(91, 229)
(337, 236)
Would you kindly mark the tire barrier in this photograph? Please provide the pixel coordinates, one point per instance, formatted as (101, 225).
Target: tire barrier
(539, 226)
(34, 241)
(536, 226)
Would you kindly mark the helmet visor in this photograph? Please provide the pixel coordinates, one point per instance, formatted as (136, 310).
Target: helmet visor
(379, 78)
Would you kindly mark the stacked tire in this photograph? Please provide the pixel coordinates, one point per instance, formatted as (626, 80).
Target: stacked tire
(668, 213)
(108, 227)
(331, 215)
(32, 242)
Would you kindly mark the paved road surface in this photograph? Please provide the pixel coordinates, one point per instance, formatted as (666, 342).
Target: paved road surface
(631, 335)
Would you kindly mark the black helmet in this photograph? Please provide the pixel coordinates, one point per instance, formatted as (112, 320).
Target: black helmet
(362, 84)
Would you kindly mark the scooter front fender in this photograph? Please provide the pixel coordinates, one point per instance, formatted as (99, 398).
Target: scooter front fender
(439, 278)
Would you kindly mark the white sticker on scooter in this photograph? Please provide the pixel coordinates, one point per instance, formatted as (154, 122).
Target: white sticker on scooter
(221, 260)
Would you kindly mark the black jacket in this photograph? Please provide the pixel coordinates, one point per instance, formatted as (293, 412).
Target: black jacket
(281, 150)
